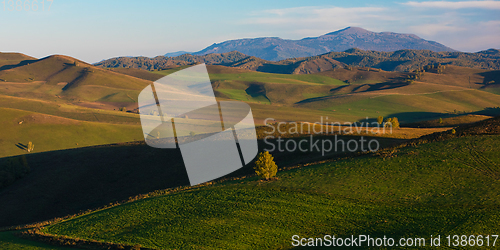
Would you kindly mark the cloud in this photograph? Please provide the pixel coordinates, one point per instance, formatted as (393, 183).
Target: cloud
(316, 20)
(432, 29)
(455, 5)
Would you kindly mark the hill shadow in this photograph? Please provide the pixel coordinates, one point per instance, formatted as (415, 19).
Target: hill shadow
(257, 89)
(22, 63)
(409, 117)
(493, 111)
(369, 87)
(390, 65)
(82, 74)
(277, 68)
(66, 182)
(490, 78)
(381, 86)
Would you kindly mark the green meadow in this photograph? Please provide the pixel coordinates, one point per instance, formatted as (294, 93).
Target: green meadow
(440, 188)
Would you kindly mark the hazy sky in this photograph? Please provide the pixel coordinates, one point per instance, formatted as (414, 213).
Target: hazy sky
(93, 30)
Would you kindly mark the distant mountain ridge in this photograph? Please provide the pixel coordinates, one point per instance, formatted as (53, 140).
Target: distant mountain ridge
(401, 60)
(276, 49)
(177, 53)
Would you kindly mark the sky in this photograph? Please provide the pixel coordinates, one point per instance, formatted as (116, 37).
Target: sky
(93, 30)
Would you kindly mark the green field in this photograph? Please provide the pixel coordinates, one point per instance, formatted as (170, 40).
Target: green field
(408, 108)
(310, 79)
(447, 187)
(56, 133)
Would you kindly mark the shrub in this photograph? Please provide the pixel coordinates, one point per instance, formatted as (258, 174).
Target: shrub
(265, 167)
(380, 120)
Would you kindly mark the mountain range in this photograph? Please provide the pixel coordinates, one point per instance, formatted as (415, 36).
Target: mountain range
(276, 49)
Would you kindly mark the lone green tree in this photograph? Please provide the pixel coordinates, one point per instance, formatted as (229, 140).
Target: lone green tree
(440, 120)
(265, 167)
(380, 120)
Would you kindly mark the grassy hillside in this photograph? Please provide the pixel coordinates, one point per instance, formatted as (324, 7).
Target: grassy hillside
(70, 78)
(368, 93)
(407, 107)
(49, 132)
(452, 190)
(9, 60)
(139, 73)
(67, 181)
(96, 94)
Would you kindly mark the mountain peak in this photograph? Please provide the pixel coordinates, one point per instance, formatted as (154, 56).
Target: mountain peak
(349, 30)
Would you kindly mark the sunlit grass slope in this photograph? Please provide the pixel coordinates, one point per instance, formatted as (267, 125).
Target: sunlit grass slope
(448, 187)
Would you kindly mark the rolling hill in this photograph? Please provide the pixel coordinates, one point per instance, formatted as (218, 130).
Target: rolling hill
(452, 190)
(64, 77)
(9, 60)
(356, 93)
(276, 49)
(402, 60)
(163, 62)
(65, 182)
(62, 105)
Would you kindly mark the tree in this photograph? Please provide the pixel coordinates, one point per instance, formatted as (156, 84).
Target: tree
(395, 122)
(388, 122)
(265, 167)
(440, 120)
(380, 120)
(30, 147)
